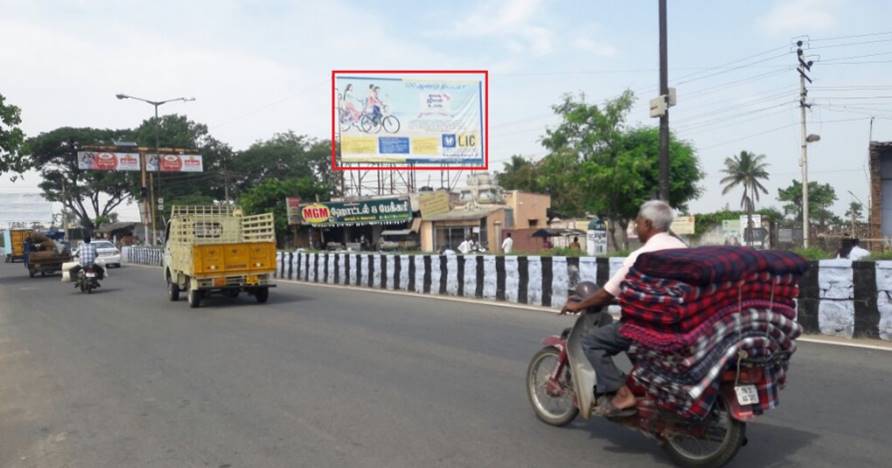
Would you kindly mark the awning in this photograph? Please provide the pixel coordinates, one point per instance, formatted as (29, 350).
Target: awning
(397, 232)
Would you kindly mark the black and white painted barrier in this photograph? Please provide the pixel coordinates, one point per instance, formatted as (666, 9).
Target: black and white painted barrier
(837, 297)
(141, 255)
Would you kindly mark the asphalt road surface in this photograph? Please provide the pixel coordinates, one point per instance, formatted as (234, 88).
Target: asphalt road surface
(335, 377)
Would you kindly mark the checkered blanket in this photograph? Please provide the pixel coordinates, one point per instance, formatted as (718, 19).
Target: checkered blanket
(693, 364)
(694, 400)
(642, 288)
(682, 318)
(754, 311)
(710, 265)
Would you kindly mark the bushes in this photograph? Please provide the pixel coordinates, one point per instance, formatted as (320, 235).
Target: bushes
(814, 253)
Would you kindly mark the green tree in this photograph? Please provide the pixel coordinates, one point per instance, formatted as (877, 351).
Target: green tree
(177, 131)
(11, 139)
(820, 198)
(90, 195)
(596, 164)
(746, 170)
(855, 211)
(519, 174)
(269, 196)
(285, 156)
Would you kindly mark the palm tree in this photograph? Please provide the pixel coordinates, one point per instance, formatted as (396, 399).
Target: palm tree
(747, 170)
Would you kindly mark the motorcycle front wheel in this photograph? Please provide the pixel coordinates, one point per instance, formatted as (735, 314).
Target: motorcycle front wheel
(724, 436)
(555, 409)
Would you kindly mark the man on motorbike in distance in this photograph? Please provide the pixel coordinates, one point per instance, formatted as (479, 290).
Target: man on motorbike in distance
(614, 399)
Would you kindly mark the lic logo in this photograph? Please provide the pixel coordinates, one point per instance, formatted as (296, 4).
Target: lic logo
(449, 140)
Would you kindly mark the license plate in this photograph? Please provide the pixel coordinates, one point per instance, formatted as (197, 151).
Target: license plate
(91, 275)
(747, 394)
(251, 279)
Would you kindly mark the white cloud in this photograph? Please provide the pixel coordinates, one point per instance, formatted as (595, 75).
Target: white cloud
(601, 49)
(511, 21)
(800, 16)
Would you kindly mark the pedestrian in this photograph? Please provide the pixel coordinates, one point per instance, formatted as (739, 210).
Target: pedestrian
(857, 253)
(575, 245)
(845, 248)
(507, 244)
(465, 247)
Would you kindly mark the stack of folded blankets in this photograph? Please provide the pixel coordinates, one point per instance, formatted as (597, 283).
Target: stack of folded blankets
(690, 312)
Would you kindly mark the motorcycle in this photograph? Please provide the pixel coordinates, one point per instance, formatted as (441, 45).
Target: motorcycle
(88, 279)
(561, 382)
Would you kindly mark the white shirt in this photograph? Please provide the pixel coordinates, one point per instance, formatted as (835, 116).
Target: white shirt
(507, 244)
(858, 253)
(659, 241)
(464, 247)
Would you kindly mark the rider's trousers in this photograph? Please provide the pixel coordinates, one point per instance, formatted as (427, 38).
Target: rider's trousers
(600, 345)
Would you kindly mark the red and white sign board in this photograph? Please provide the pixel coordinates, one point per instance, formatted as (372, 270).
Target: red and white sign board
(102, 161)
(174, 163)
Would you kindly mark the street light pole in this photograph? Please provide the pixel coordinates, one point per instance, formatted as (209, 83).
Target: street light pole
(664, 118)
(150, 207)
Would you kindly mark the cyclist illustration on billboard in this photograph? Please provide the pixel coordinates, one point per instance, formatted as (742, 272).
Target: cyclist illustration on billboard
(349, 115)
(375, 115)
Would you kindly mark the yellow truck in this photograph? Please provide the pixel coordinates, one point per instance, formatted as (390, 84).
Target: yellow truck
(14, 243)
(216, 249)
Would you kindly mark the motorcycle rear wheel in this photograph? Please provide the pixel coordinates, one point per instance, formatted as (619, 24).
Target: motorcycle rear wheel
(681, 448)
(556, 411)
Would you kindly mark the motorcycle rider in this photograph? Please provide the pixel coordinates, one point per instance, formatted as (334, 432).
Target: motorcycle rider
(87, 257)
(614, 399)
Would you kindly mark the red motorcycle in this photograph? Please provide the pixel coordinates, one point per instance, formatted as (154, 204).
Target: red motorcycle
(560, 383)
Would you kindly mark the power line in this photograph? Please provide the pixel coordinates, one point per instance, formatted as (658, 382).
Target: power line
(849, 44)
(852, 36)
(738, 67)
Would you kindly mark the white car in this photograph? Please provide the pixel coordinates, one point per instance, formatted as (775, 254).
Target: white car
(108, 254)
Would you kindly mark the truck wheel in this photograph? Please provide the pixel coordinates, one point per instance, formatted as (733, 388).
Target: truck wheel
(194, 298)
(262, 295)
(173, 291)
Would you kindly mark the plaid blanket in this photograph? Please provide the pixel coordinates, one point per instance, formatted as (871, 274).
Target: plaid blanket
(691, 368)
(643, 288)
(694, 400)
(674, 342)
(682, 318)
(774, 378)
(709, 265)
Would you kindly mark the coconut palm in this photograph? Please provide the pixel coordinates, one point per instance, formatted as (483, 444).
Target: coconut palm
(746, 170)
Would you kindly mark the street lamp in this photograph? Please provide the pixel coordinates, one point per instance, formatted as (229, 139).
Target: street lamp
(811, 138)
(142, 164)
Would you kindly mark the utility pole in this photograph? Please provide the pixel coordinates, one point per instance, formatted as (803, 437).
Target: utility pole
(803, 67)
(664, 119)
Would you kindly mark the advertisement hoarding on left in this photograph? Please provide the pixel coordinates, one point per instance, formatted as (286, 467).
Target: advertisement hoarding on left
(106, 161)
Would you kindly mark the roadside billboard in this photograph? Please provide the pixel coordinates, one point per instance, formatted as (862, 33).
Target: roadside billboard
(107, 161)
(292, 207)
(174, 163)
(433, 203)
(683, 225)
(398, 118)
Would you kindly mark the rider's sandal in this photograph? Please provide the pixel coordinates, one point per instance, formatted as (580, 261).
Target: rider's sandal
(606, 409)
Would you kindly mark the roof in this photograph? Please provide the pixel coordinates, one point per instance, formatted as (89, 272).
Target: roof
(110, 227)
(463, 214)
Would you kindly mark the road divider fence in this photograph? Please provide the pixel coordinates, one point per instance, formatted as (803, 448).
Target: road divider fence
(837, 297)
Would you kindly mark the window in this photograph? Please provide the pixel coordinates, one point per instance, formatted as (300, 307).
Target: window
(533, 223)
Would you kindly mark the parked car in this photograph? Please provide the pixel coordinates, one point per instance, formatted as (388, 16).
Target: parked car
(108, 254)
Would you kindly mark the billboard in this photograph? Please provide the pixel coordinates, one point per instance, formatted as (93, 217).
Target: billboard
(111, 161)
(683, 225)
(398, 118)
(433, 203)
(292, 208)
(107, 161)
(394, 210)
(174, 163)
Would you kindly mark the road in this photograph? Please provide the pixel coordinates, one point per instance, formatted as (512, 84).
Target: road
(336, 377)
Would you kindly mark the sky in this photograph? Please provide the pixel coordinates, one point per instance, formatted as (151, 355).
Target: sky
(261, 67)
